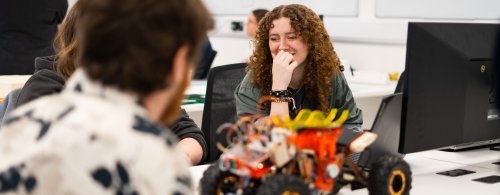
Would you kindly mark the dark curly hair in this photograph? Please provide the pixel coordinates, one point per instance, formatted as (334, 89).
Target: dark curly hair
(321, 63)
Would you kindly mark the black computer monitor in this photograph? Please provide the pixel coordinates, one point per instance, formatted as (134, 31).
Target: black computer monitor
(497, 67)
(205, 63)
(449, 97)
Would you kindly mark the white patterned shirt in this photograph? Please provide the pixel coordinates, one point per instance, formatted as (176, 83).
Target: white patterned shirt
(89, 139)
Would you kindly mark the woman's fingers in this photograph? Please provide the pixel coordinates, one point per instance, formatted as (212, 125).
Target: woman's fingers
(294, 65)
(283, 67)
(279, 56)
(287, 58)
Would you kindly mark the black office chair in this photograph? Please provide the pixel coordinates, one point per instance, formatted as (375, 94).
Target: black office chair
(219, 105)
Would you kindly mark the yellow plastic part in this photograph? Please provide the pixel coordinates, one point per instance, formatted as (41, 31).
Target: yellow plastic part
(311, 119)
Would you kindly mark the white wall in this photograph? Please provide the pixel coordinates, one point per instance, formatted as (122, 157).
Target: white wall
(373, 38)
(71, 3)
(230, 49)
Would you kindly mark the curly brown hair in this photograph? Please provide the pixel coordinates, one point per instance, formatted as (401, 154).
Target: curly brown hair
(321, 63)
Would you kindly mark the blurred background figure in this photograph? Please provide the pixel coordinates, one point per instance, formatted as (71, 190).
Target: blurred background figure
(253, 24)
(253, 21)
(27, 29)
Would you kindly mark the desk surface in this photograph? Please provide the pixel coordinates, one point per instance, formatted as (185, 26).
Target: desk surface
(11, 82)
(359, 90)
(367, 97)
(196, 87)
(425, 165)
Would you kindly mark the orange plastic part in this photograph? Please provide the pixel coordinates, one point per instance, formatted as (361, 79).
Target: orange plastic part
(324, 143)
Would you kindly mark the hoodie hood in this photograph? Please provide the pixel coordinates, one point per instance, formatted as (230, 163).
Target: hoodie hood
(46, 62)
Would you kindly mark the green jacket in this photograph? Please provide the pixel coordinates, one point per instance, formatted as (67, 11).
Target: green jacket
(247, 95)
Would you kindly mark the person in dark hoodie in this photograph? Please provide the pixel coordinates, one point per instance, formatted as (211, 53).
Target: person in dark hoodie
(27, 29)
(51, 73)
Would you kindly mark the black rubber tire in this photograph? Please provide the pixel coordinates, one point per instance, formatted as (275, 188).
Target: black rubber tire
(389, 175)
(280, 184)
(213, 181)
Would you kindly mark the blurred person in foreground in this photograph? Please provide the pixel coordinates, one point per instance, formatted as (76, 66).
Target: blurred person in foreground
(101, 134)
(52, 72)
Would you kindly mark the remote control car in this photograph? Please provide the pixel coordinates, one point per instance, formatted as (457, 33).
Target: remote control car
(300, 156)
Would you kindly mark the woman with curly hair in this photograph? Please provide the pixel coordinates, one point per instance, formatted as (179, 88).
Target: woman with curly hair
(294, 62)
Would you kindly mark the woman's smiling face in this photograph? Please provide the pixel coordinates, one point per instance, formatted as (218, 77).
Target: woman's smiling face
(283, 37)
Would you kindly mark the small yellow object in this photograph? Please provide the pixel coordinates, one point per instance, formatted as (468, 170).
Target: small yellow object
(311, 119)
(393, 76)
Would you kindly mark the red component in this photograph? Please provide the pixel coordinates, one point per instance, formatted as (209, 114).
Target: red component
(255, 172)
(324, 143)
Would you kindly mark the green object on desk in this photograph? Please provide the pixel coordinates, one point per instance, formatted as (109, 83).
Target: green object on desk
(193, 99)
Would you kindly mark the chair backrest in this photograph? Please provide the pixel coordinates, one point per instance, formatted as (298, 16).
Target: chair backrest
(220, 104)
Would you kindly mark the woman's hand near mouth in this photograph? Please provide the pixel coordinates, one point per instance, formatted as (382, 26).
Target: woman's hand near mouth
(283, 67)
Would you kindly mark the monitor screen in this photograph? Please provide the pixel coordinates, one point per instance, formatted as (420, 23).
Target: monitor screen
(450, 96)
(205, 62)
(497, 67)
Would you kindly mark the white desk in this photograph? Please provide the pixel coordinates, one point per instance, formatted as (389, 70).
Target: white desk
(425, 165)
(11, 82)
(359, 90)
(195, 111)
(367, 97)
